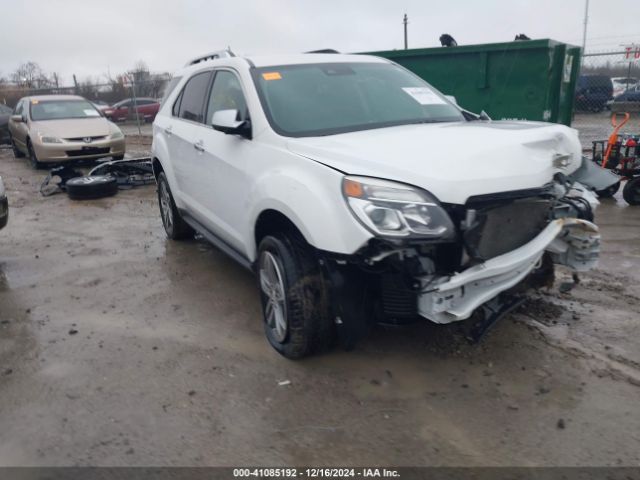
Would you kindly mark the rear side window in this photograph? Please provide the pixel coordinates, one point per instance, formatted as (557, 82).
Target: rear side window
(192, 97)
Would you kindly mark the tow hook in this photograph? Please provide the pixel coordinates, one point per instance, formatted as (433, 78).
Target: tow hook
(490, 313)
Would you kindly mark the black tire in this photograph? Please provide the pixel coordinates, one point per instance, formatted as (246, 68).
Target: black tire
(174, 225)
(308, 327)
(33, 159)
(631, 191)
(609, 192)
(117, 157)
(86, 188)
(17, 153)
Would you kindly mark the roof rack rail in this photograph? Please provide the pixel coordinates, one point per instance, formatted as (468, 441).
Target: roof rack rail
(324, 50)
(211, 56)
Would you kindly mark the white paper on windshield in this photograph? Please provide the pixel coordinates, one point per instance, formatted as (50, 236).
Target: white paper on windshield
(91, 113)
(424, 96)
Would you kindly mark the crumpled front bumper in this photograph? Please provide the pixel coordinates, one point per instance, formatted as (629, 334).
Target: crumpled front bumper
(571, 241)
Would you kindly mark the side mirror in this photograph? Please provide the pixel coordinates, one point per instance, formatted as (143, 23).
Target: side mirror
(226, 121)
(17, 118)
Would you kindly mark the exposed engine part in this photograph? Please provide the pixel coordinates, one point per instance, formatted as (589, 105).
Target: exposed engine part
(572, 242)
(577, 246)
(399, 300)
(491, 313)
(501, 228)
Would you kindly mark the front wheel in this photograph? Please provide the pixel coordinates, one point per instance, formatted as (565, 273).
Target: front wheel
(17, 153)
(294, 297)
(174, 225)
(33, 160)
(631, 191)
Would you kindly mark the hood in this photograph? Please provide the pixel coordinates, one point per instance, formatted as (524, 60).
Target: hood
(453, 161)
(74, 127)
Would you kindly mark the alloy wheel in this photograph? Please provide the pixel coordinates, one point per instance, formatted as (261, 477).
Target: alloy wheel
(272, 285)
(165, 206)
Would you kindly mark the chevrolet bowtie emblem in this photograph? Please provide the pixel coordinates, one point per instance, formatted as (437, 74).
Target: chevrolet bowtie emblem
(561, 160)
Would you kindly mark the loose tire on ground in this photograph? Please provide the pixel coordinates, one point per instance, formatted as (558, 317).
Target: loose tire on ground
(301, 296)
(609, 192)
(85, 188)
(174, 225)
(631, 191)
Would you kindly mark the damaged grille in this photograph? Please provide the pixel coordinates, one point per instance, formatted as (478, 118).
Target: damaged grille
(504, 226)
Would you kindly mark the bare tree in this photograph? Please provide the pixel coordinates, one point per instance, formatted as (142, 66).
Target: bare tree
(27, 75)
(56, 79)
(141, 77)
(88, 89)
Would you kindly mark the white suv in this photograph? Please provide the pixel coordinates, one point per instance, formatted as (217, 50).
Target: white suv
(359, 194)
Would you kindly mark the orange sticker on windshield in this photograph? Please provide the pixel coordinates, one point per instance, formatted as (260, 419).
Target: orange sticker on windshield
(271, 76)
(34, 102)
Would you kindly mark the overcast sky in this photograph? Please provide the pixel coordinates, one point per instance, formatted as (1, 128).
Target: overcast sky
(91, 37)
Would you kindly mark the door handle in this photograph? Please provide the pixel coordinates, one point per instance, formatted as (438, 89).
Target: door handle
(167, 131)
(199, 146)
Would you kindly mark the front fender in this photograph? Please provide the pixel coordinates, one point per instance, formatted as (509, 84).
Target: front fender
(160, 152)
(309, 195)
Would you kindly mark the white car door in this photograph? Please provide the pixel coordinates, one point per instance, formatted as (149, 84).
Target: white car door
(182, 134)
(223, 183)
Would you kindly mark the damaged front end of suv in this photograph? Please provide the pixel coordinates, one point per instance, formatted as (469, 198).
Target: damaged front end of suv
(443, 262)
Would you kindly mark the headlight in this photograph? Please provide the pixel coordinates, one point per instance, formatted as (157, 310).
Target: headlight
(49, 139)
(117, 134)
(396, 210)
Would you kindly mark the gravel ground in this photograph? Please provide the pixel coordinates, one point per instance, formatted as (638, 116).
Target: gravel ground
(119, 347)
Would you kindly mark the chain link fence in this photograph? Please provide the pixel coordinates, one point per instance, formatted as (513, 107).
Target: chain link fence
(609, 83)
(138, 100)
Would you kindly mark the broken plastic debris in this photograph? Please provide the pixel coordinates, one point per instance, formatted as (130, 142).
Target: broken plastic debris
(284, 383)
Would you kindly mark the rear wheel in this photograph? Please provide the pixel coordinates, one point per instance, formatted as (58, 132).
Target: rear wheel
(174, 225)
(609, 191)
(294, 297)
(631, 191)
(33, 159)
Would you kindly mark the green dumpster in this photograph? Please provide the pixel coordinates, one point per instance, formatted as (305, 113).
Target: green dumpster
(531, 79)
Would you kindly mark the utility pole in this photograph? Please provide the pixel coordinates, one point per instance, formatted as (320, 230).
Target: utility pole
(586, 21)
(405, 21)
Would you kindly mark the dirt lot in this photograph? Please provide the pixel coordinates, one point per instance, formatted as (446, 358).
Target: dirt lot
(118, 347)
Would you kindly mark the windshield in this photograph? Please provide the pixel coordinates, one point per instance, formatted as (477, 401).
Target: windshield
(326, 99)
(4, 109)
(59, 109)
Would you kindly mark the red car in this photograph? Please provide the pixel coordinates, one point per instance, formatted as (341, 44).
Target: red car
(146, 108)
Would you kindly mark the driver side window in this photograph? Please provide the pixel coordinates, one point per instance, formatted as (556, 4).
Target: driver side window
(226, 94)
